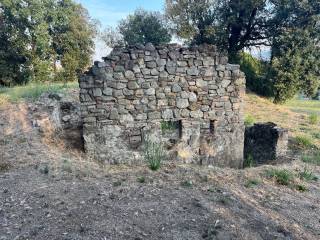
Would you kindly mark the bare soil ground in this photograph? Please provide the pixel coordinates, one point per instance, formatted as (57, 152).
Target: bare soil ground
(50, 192)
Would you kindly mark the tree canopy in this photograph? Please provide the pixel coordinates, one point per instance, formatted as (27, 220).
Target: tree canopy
(290, 28)
(141, 27)
(35, 35)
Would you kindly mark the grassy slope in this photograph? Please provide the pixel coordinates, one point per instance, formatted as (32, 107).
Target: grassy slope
(294, 115)
(32, 91)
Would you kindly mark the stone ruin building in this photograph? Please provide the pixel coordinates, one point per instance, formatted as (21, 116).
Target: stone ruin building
(189, 100)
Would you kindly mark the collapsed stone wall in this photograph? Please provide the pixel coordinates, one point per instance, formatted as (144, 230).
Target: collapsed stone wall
(136, 93)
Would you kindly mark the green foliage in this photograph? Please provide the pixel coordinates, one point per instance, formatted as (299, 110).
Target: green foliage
(228, 24)
(168, 126)
(34, 35)
(154, 154)
(249, 120)
(141, 179)
(307, 175)
(301, 187)
(139, 28)
(295, 65)
(313, 158)
(248, 161)
(313, 118)
(252, 182)
(256, 72)
(33, 91)
(291, 28)
(44, 169)
(304, 142)
(282, 176)
(187, 183)
(4, 166)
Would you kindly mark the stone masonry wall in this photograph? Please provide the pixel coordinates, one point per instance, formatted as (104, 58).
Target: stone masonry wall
(188, 99)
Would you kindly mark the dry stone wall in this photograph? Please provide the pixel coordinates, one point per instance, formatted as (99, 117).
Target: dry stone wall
(187, 99)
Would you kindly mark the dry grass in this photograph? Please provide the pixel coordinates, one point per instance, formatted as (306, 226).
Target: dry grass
(296, 120)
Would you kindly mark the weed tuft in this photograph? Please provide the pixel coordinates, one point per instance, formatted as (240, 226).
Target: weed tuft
(249, 120)
(5, 166)
(304, 142)
(248, 161)
(168, 126)
(252, 182)
(313, 158)
(141, 179)
(313, 118)
(301, 188)
(187, 183)
(282, 176)
(154, 154)
(307, 175)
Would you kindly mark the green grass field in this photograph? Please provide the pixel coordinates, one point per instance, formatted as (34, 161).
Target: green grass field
(304, 106)
(32, 91)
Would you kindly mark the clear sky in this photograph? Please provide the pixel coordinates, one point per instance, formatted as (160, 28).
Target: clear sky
(109, 12)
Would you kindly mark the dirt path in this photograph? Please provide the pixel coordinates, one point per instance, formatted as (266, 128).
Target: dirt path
(51, 193)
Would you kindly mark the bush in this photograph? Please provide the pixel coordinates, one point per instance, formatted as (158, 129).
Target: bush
(256, 72)
(249, 120)
(313, 118)
(282, 176)
(153, 154)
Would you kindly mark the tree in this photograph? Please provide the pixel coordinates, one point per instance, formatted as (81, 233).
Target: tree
(289, 27)
(72, 32)
(34, 34)
(230, 24)
(295, 52)
(141, 27)
(295, 64)
(14, 64)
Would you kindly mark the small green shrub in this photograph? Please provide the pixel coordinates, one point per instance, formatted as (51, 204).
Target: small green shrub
(307, 175)
(249, 120)
(117, 183)
(304, 142)
(252, 182)
(316, 135)
(282, 176)
(225, 200)
(313, 158)
(248, 161)
(168, 126)
(5, 166)
(44, 169)
(141, 179)
(66, 166)
(187, 183)
(313, 118)
(154, 154)
(301, 188)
